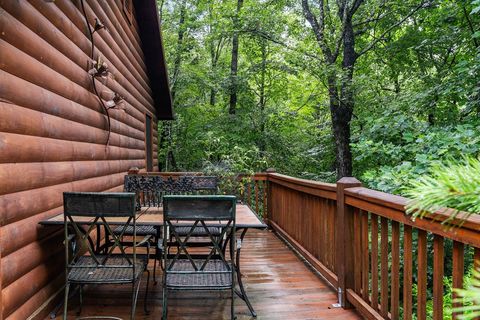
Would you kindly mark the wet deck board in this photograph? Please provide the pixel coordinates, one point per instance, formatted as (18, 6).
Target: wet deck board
(279, 284)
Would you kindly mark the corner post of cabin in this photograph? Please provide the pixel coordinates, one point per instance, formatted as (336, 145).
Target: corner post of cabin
(268, 212)
(344, 240)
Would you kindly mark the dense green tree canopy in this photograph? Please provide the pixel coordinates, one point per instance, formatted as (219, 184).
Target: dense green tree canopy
(395, 84)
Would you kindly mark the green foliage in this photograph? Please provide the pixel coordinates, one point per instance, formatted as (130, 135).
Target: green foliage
(417, 94)
(470, 297)
(392, 154)
(450, 185)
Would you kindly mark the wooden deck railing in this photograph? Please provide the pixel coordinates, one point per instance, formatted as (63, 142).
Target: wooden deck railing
(362, 242)
(380, 260)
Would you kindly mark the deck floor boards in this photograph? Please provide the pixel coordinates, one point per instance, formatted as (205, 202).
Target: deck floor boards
(279, 284)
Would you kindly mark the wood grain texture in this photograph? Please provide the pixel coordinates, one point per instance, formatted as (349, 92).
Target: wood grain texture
(384, 268)
(395, 272)
(422, 275)
(438, 271)
(457, 270)
(53, 132)
(295, 212)
(365, 260)
(407, 272)
(374, 262)
(275, 291)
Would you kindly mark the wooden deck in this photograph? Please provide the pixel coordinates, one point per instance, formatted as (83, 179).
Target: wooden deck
(280, 286)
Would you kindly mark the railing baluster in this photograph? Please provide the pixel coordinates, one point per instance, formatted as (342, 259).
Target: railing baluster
(308, 214)
(249, 192)
(374, 262)
(422, 276)
(357, 223)
(365, 255)
(264, 205)
(384, 268)
(438, 250)
(395, 274)
(476, 258)
(407, 272)
(255, 185)
(457, 272)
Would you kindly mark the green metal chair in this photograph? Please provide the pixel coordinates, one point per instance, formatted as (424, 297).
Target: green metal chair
(211, 269)
(84, 264)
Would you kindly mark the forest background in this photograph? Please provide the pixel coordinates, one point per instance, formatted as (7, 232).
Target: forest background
(379, 89)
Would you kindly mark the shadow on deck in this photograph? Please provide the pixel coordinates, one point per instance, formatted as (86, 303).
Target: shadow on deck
(279, 284)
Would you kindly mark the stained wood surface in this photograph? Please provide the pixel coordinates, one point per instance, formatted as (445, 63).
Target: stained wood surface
(53, 131)
(278, 283)
(374, 262)
(296, 206)
(422, 275)
(407, 272)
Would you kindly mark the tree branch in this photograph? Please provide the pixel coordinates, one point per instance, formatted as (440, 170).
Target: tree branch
(318, 28)
(393, 26)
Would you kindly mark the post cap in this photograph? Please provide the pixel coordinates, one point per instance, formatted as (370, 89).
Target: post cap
(349, 181)
(133, 170)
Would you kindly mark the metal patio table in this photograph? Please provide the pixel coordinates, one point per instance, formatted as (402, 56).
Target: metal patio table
(246, 219)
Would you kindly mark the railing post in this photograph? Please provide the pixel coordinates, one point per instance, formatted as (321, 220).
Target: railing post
(268, 212)
(344, 240)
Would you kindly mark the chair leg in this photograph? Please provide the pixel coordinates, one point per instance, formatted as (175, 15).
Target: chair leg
(134, 298)
(232, 306)
(65, 304)
(164, 302)
(145, 301)
(80, 297)
(155, 270)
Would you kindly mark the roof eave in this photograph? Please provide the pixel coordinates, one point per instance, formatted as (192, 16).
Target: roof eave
(146, 13)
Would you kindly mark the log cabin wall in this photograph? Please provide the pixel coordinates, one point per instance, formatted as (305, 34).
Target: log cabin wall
(53, 131)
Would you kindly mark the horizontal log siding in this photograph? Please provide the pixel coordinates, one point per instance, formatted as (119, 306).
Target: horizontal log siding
(53, 132)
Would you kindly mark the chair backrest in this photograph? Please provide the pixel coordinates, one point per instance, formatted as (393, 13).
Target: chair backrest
(148, 189)
(182, 185)
(92, 204)
(198, 214)
(205, 184)
(199, 207)
(84, 212)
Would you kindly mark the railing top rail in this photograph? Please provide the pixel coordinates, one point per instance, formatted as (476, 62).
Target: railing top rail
(168, 174)
(303, 182)
(315, 188)
(393, 207)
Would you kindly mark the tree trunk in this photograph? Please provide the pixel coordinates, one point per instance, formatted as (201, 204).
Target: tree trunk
(234, 62)
(179, 50)
(214, 67)
(262, 99)
(343, 111)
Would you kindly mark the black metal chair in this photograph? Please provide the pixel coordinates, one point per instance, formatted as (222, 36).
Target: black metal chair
(148, 194)
(209, 269)
(149, 191)
(84, 264)
(205, 184)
